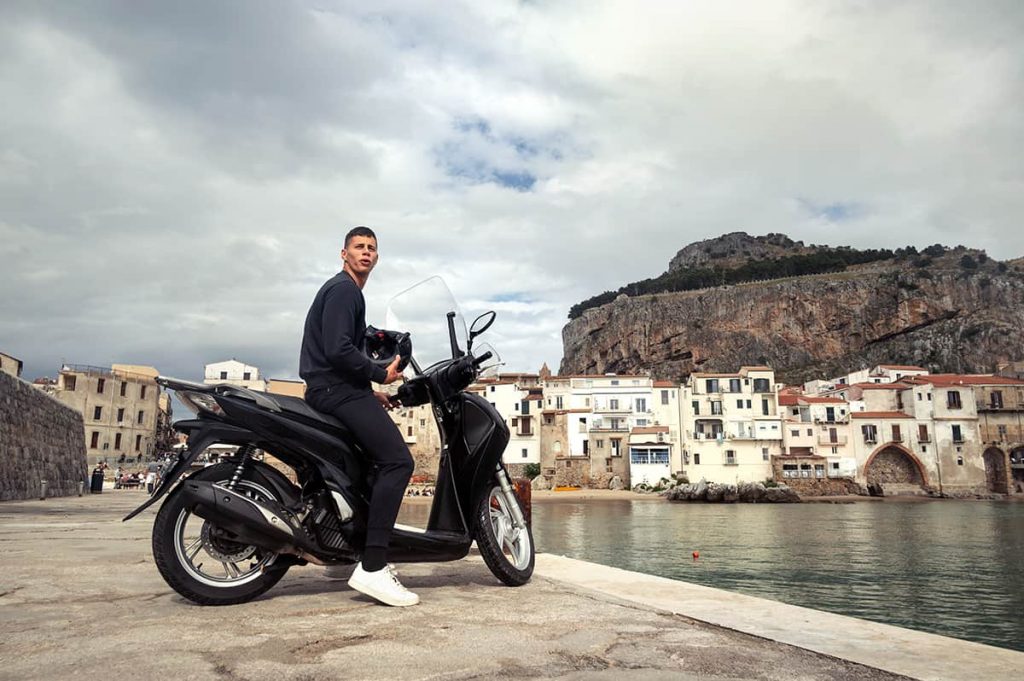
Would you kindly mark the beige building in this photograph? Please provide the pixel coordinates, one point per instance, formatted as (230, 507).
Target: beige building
(281, 386)
(731, 426)
(10, 365)
(120, 407)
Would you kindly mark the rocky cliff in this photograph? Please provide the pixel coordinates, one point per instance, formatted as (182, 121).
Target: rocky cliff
(957, 311)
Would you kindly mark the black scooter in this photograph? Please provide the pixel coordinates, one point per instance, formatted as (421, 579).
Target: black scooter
(230, 531)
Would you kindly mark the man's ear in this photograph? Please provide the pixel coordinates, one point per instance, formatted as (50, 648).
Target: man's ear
(343, 254)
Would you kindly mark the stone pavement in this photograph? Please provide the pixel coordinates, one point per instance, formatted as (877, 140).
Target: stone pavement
(80, 597)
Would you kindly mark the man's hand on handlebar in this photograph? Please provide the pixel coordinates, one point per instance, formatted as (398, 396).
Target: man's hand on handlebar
(385, 400)
(393, 373)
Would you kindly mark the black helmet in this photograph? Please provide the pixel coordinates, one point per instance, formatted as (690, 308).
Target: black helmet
(383, 345)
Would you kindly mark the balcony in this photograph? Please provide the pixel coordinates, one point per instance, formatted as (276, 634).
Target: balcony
(708, 436)
(608, 428)
(835, 420)
(827, 441)
(924, 439)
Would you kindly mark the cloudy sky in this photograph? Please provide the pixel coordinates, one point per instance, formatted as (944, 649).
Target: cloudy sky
(176, 177)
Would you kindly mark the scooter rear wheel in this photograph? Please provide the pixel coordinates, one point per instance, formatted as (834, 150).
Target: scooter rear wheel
(507, 550)
(198, 562)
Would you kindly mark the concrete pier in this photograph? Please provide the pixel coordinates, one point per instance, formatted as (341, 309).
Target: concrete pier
(80, 597)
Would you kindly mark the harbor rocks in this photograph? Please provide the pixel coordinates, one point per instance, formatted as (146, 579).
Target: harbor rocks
(744, 492)
(616, 483)
(540, 483)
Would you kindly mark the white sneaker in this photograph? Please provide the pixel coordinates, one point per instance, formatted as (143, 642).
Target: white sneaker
(382, 585)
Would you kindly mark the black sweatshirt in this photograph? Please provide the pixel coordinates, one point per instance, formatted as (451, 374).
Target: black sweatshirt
(333, 339)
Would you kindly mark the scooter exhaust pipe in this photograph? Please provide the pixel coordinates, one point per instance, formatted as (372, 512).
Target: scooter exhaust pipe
(261, 523)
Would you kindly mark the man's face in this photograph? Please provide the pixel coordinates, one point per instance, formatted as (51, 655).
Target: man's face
(360, 254)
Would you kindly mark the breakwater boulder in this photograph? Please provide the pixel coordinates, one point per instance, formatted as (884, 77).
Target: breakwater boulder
(744, 492)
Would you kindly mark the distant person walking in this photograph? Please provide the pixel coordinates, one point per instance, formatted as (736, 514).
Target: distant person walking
(150, 480)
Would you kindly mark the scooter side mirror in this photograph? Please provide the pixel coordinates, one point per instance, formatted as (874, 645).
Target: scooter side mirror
(481, 324)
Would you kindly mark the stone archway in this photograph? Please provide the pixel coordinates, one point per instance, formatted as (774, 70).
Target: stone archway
(895, 470)
(996, 478)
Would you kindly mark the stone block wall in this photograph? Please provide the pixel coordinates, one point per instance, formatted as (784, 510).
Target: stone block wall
(40, 439)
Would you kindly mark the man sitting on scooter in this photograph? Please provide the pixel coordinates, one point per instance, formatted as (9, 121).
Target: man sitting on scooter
(338, 375)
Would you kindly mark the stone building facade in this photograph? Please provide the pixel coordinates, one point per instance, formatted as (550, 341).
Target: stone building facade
(120, 408)
(40, 439)
(10, 365)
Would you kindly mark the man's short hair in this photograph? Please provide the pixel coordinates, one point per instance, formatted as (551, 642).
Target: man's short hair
(359, 231)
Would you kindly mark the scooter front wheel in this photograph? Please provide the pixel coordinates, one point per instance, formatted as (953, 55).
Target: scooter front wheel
(506, 549)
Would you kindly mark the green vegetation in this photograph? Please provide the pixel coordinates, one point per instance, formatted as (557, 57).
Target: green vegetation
(531, 470)
(831, 260)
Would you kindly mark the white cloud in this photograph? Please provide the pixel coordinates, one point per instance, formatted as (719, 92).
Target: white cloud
(175, 178)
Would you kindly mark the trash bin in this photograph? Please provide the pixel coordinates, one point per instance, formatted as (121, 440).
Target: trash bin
(97, 482)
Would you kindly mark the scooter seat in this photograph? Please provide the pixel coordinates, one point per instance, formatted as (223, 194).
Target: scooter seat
(297, 405)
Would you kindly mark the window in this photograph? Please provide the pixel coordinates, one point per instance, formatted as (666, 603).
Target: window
(953, 399)
(616, 447)
(558, 402)
(957, 434)
(641, 423)
(765, 407)
(641, 405)
(69, 382)
(599, 443)
(142, 393)
(959, 461)
(142, 416)
(870, 433)
(408, 431)
(124, 391)
(613, 404)
(524, 454)
(423, 422)
(810, 432)
(711, 385)
(996, 399)
(764, 454)
(94, 441)
(716, 407)
(696, 407)
(614, 382)
(100, 384)
(97, 413)
(120, 415)
(761, 385)
(492, 388)
(795, 433)
(897, 435)
(730, 457)
(514, 423)
(696, 458)
(922, 433)
(223, 375)
(748, 404)
(739, 404)
(117, 442)
(246, 376)
(138, 443)
(664, 397)
(1002, 432)
(734, 385)
(920, 397)
(586, 447)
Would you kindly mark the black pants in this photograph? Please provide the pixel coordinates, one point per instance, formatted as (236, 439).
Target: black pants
(382, 442)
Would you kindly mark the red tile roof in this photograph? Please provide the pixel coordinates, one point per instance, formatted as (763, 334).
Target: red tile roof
(665, 384)
(788, 400)
(948, 380)
(819, 400)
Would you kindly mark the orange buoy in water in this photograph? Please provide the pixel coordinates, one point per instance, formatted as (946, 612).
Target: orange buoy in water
(696, 555)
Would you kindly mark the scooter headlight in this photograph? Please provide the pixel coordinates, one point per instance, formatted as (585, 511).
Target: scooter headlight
(198, 402)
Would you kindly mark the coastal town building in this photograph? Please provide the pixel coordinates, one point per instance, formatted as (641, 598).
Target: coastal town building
(519, 399)
(290, 388)
(10, 365)
(120, 407)
(731, 426)
(234, 372)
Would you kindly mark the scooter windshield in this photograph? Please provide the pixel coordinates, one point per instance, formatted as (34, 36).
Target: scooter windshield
(422, 310)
